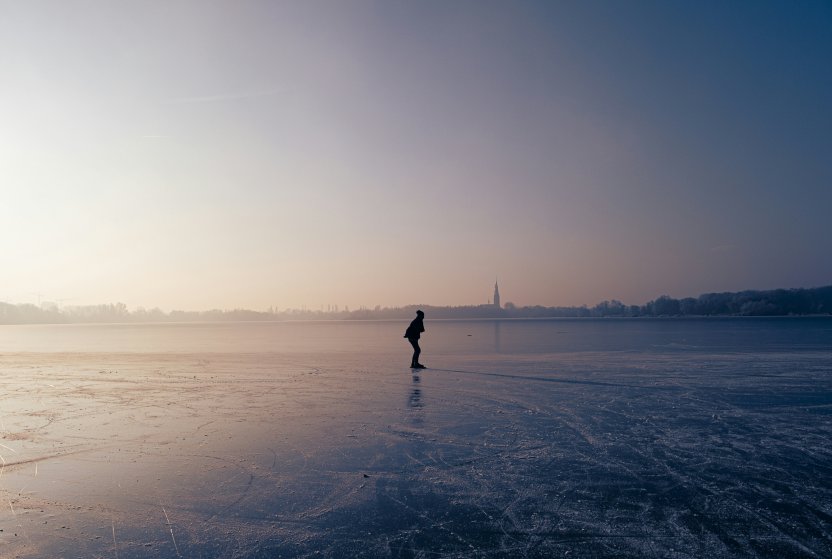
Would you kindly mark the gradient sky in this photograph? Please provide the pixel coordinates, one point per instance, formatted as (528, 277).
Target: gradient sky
(197, 155)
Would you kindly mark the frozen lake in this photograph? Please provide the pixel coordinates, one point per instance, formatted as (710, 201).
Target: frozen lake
(610, 438)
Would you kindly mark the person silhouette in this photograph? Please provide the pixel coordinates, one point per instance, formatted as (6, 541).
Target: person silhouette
(412, 334)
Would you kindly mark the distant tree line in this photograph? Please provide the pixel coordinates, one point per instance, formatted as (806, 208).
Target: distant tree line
(777, 302)
(49, 313)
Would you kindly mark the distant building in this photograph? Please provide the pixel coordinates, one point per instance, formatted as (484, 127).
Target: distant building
(496, 295)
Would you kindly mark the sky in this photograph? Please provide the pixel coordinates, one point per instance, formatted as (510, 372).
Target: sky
(252, 154)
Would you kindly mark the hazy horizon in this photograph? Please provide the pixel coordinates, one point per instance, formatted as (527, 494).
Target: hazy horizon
(784, 304)
(204, 155)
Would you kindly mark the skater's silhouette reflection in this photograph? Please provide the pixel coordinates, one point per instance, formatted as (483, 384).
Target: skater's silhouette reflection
(415, 404)
(415, 401)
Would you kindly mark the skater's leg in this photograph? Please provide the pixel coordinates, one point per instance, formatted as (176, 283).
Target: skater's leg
(416, 352)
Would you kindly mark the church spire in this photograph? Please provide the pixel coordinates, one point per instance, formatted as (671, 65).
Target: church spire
(496, 294)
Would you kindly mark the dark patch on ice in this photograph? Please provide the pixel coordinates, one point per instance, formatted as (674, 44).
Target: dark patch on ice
(545, 379)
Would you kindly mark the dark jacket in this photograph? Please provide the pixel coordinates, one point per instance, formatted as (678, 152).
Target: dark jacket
(415, 329)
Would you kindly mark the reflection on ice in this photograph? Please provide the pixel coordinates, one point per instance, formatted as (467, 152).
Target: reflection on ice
(415, 401)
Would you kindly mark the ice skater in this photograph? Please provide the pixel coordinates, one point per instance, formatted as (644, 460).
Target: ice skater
(412, 334)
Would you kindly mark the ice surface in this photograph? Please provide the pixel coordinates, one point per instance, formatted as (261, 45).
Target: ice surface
(525, 439)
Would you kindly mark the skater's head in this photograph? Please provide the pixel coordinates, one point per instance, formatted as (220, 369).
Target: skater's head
(420, 314)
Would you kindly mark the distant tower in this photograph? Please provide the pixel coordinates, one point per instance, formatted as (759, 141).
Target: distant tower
(496, 295)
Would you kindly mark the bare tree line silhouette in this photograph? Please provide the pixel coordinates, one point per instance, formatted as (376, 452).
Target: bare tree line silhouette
(777, 302)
